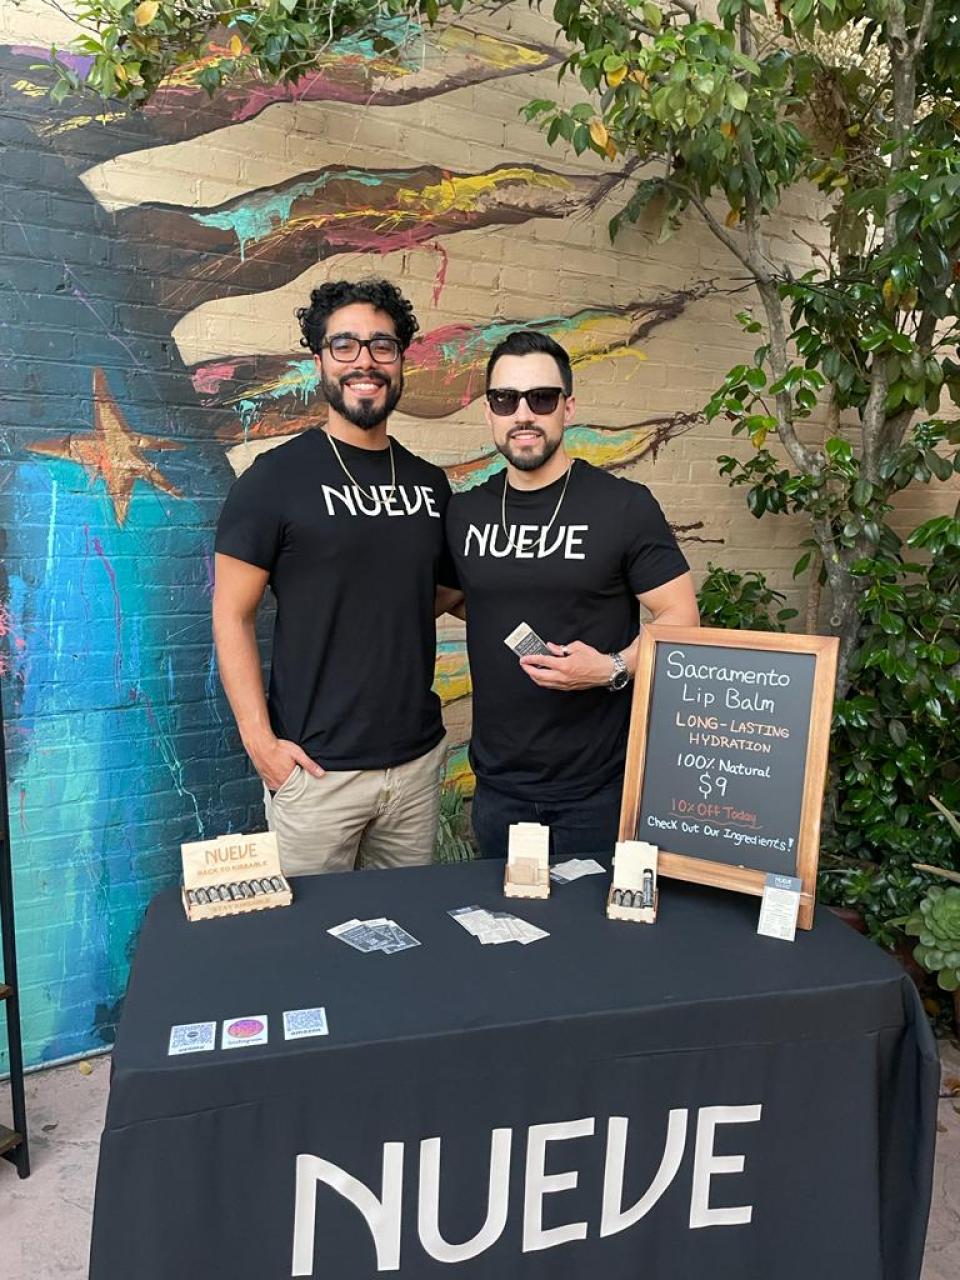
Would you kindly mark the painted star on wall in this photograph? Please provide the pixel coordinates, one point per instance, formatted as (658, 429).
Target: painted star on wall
(113, 451)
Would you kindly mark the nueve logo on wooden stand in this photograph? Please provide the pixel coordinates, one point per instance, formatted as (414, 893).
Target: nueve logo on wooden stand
(232, 875)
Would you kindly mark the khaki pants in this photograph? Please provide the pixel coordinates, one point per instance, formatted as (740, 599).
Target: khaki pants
(358, 818)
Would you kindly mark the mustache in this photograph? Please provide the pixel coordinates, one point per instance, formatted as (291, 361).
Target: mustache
(524, 430)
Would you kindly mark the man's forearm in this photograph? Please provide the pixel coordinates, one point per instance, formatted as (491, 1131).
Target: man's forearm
(238, 659)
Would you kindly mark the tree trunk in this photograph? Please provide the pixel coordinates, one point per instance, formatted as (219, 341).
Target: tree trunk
(845, 624)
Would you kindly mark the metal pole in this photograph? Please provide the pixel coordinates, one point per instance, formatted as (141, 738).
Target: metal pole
(20, 1154)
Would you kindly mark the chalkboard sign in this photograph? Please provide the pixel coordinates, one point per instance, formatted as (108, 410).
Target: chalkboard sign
(727, 755)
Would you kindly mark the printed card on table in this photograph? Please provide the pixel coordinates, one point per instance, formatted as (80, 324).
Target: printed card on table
(238, 1033)
(298, 1024)
(192, 1037)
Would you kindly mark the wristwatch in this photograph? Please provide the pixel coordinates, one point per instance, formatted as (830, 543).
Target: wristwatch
(620, 676)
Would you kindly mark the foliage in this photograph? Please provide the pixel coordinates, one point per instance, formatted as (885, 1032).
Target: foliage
(896, 734)
(453, 833)
(741, 600)
(133, 45)
(937, 925)
(882, 893)
(857, 98)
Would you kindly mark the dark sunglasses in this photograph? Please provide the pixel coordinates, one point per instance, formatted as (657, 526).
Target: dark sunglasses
(504, 401)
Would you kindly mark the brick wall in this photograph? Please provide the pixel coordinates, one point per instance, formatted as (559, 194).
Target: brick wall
(134, 356)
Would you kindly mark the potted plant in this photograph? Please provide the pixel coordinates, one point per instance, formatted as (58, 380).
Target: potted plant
(936, 923)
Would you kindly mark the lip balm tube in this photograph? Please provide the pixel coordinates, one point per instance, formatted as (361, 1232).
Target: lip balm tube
(202, 896)
(234, 892)
(276, 882)
(648, 888)
(618, 897)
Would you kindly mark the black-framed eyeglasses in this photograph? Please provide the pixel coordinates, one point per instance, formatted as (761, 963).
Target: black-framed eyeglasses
(504, 401)
(345, 348)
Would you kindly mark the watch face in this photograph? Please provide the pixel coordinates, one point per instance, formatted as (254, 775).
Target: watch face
(620, 680)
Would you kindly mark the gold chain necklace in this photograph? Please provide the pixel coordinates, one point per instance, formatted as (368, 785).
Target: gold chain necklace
(556, 510)
(370, 497)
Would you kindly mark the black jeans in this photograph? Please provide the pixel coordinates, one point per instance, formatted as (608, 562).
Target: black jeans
(577, 827)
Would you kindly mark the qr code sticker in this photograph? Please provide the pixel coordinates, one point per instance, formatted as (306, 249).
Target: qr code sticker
(192, 1037)
(300, 1023)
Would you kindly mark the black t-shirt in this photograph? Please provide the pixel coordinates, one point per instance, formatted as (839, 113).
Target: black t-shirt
(354, 570)
(576, 581)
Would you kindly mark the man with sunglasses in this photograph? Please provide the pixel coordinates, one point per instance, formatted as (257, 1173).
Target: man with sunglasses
(572, 551)
(346, 527)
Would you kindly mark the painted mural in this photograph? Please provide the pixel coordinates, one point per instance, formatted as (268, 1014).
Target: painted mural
(117, 452)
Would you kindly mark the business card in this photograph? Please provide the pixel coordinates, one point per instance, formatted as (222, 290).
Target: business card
(779, 907)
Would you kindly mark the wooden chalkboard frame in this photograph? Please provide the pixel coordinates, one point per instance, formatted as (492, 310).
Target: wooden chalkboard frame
(742, 879)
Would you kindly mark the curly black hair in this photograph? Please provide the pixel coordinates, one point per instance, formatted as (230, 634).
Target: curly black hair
(329, 297)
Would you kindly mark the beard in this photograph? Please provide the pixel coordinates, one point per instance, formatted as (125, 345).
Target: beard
(364, 414)
(530, 459)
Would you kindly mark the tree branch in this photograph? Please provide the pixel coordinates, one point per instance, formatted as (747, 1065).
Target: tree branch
(926, 17)
(718, 229)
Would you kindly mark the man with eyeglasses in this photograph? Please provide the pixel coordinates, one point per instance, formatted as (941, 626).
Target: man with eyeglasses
(572, 551)
(345, 526)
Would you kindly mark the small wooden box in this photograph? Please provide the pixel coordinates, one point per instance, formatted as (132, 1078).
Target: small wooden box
(232, 875)
(527, 873)
(634, 894)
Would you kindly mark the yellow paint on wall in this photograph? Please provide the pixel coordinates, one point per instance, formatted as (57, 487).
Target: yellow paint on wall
(496, 53)
(452, 675)
(78, 122)
(29, 89)
(465, 194)
(458, 772)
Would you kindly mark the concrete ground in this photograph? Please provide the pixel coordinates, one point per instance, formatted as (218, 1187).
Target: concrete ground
(45, 1220)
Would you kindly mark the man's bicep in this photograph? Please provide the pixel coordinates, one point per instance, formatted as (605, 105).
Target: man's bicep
(674, 602)
(238, 586)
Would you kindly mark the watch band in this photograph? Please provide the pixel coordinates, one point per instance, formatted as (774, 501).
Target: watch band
(620, 676)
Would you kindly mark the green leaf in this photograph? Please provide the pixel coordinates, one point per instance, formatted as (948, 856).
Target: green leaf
(802, 564)
(737, 96)
(898, 732)
(652, 15)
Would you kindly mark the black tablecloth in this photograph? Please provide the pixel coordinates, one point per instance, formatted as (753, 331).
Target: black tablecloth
(679, 1101)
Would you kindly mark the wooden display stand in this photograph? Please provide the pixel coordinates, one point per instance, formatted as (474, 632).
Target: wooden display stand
(232, 875)
(634, 882)
(727, 755)
(527, 873)
(13, 1142)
